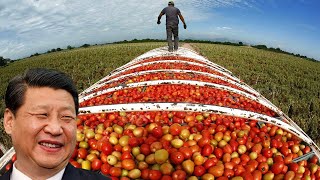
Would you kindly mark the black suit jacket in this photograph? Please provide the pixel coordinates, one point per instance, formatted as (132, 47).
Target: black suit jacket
(70, 173)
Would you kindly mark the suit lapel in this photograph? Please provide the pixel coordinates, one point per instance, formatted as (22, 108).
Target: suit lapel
(6, 175)
(70, 173)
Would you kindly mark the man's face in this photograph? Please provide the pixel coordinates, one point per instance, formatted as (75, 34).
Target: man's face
(43, 130)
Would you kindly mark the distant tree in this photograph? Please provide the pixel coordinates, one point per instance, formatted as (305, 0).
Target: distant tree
(261, 47)
(3, 61)
(53, 50)
(85, 45)
(59, 49)
(70, 47)
(240, 43)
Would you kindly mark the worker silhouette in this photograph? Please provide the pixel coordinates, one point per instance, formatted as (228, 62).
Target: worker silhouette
(172, 24)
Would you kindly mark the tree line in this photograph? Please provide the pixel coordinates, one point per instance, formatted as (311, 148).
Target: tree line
(4, 62)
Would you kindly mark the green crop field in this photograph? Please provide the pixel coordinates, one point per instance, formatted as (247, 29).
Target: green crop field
(291, 83)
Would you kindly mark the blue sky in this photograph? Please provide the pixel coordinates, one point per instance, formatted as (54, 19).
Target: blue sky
(30, 26)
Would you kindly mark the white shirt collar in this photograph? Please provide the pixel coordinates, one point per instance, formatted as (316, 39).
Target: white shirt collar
(18, 175)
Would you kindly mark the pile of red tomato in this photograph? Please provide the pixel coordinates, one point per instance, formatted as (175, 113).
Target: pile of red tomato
(185, 145)
(167, 76)
(150, 145)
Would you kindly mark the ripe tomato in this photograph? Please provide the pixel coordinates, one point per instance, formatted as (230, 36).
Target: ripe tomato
(75, 164)
(294, 167)
(199, 171)
(218, 152)
(8, 167)
(263, 167)
(82, 153)
(238, 170)
(257, 175)
(210, 162)
(207, 150)
(227, 149)
(96, 164)
(186, 151)
(157, 132)
(154, 175)
(176, 157)
(126, 155)
(314, 159)
(178, 175)
(228, 173)
(115, 171)
(277, 167)
(247, 176)
(145, 149)
(105, 168)
(107, 148)
(128, 164)
(266, 152)
(175, 129)
(217, 170)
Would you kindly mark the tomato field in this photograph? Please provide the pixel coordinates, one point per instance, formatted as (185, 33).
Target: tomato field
(192, 118)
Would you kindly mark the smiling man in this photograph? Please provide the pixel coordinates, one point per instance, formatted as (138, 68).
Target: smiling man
(40, 117)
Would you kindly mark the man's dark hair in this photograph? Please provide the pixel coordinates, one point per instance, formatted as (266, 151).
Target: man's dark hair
(38, 77)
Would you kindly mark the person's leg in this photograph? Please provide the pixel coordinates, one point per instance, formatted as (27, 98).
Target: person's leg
(176, 37)
(169, 38)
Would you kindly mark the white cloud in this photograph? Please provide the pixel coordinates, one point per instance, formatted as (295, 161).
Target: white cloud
(29, 26)
(223, 28)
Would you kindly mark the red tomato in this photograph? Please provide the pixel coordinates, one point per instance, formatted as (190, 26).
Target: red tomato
(249, 168)
(115, 171)
(263, 167)
(204, 141)
(257, 175)
(166, 177)
(266, 152)
(228, 173)
(207, 150)
(145, 174)
(176, 157)
(157, 132)
(314, 159)
(278, 158)
(105, 168)
(179, 174)
(277, 167)
(126, 155)
(107, 148)
(227, 149)
(218, 152)
(145, 149)
(82, 153)
(210, 162)
(199, 171)
(75, 164)
(186, 151)
(154, 175)
(175, 129)
(128, 164)
(254, 163)
(294, 167)
(133, 142)
(247, 176)
(96, 164)
(8, 166)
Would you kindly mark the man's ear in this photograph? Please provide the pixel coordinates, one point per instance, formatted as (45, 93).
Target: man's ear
(8, 120)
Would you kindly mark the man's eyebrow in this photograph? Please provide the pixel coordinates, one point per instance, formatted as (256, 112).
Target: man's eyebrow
(36, 107)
